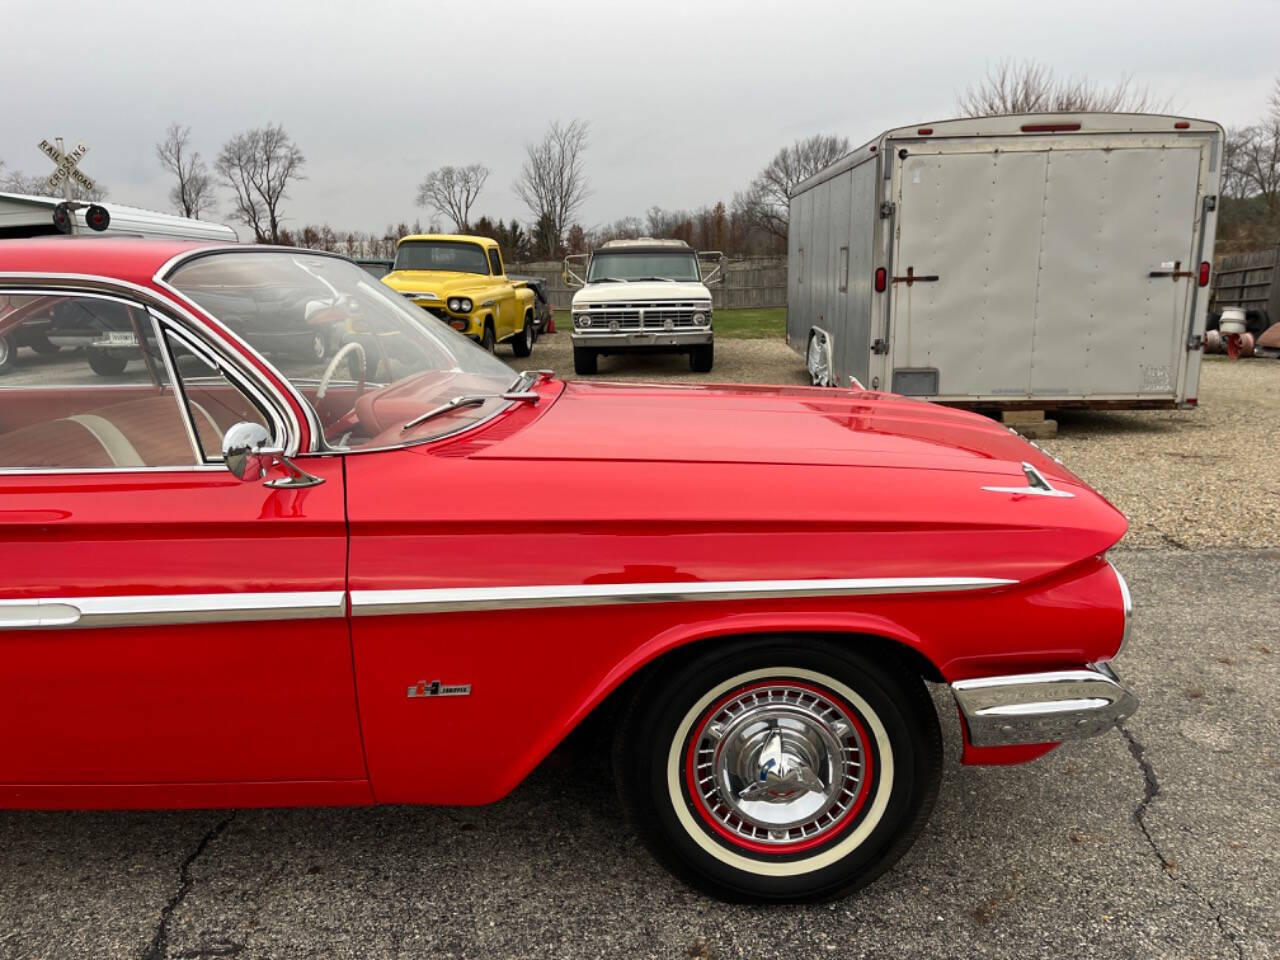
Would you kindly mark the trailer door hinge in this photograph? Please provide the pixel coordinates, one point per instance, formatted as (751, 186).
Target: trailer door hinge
(887, 210)
(1195, 342)
(879, 346)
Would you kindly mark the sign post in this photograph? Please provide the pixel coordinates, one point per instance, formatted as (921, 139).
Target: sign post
(66, 171)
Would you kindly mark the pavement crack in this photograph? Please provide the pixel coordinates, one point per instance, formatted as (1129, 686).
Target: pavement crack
(158, 949)
(1151, 790)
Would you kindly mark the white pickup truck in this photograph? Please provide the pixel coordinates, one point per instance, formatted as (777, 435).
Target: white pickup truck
(642, 296)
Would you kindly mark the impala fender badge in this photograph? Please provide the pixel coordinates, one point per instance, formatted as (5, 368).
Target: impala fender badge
(437, 689)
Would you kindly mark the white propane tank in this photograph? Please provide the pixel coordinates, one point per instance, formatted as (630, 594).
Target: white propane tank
(1232, 321)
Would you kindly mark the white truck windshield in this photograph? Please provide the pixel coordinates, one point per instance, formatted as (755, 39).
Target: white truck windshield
(610, 265)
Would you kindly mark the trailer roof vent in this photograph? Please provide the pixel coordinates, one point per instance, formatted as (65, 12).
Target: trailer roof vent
(1049, 127)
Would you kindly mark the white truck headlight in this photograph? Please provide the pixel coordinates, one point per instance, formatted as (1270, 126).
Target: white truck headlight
(581, 320)
(699, 319)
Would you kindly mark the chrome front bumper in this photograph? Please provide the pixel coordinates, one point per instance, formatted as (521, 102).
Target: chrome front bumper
(1042, 707)
(622, 340)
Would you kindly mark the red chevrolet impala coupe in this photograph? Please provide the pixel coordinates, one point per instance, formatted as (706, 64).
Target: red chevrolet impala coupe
(272, 535)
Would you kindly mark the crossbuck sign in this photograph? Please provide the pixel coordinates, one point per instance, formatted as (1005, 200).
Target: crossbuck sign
(67, 163)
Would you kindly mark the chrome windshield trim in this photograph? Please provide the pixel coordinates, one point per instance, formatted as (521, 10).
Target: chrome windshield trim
(445, 599)
(161, 279)
(150, 610)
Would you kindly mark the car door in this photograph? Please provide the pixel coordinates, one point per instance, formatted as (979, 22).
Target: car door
(162, 623)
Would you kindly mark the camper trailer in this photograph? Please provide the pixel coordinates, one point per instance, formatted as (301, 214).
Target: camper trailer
(28, 216)
(1038, 261)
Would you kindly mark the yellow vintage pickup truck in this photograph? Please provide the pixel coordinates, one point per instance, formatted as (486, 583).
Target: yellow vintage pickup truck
(463, 281)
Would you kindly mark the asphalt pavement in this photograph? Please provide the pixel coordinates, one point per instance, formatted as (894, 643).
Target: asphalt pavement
(1156, 840)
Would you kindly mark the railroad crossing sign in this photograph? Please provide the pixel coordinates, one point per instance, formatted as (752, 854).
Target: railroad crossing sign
(67, 163)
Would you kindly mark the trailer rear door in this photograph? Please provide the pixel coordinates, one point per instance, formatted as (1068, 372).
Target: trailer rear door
(1044, 260)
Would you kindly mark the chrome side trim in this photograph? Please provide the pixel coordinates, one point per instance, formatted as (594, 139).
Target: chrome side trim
(1042, 707)
(139, 611)
(366, 603)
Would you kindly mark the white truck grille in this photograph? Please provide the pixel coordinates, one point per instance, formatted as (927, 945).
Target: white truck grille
(646, 316)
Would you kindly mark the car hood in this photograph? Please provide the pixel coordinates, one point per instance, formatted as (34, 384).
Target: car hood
(642, 290)
(442, 283)
(771, 425)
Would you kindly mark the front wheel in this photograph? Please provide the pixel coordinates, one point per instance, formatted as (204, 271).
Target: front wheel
(522, 345)
(702, 357)
(487, 339)
(585, 361)
(779, 770)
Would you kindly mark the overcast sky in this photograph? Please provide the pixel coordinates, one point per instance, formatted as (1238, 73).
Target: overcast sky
(685, 100)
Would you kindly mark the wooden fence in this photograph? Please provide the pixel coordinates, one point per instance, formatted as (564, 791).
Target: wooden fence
(754, 283)
(1249, 280)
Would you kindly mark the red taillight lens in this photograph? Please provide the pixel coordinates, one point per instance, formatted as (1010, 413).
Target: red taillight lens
(925, 131)
(1049, 127)
(881, 277)
(1204, 273)
(1182, 125)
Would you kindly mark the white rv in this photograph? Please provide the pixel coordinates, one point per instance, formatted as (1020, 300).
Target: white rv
(27, 216)
(1039, 261)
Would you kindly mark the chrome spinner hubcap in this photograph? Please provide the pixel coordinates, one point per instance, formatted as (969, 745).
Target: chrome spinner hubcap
(779, 764)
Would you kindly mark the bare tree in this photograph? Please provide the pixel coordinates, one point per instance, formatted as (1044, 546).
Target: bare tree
(768, 199)
(451, 191)
(1025, 86)
(553, 181)
(193, 193)
(258, 166)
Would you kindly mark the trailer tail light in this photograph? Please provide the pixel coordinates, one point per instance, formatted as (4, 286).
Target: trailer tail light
(925, 131)
(881, 277)
(1182, 125)
(1204, 273)
(1049, 127)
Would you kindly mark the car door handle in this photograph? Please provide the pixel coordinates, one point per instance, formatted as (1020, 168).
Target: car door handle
(26, 614)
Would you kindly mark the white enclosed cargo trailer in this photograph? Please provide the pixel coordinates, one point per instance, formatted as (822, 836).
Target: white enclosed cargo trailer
(1038, 261)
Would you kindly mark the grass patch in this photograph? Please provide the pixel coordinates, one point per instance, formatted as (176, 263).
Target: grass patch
(751, 324)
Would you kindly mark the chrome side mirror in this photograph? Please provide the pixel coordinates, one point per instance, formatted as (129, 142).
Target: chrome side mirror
(248, 452)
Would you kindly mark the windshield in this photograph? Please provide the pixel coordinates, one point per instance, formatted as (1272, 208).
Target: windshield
(367, 360)
(441, 255)
(606, 264)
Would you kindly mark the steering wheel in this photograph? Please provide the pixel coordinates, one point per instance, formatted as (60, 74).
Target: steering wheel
(333, 365)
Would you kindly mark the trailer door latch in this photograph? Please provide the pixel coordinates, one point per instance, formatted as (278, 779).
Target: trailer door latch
(879, 346)
(887, 209)
(1175, 273)
(911, 277)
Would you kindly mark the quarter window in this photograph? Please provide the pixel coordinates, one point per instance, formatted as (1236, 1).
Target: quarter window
(213, 402)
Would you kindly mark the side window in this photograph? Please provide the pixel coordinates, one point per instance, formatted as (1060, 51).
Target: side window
(84, 385)
(214, 402)
(495, 262)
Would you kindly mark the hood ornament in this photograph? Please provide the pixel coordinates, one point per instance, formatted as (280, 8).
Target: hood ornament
(1037, 485)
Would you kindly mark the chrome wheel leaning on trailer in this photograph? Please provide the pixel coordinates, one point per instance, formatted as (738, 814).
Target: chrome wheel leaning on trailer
(818, 358)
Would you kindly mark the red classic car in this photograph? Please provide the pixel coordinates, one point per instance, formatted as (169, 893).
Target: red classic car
(402, 573)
